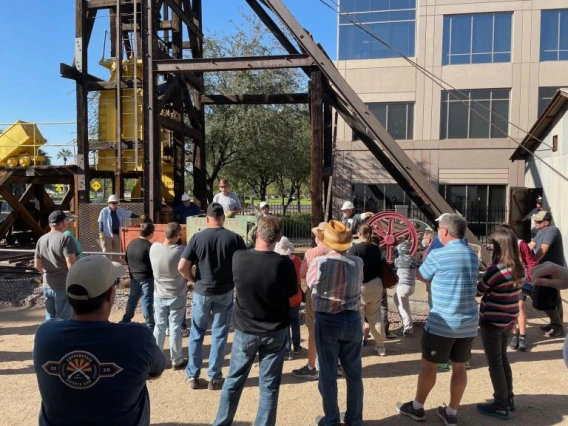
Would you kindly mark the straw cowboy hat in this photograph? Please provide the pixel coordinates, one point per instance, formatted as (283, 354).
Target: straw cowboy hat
(336, 236)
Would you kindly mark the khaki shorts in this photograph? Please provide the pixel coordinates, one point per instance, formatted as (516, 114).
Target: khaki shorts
(309, 310)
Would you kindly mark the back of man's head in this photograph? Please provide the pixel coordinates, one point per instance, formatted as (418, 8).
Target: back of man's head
(269, 229)
(455, 224)
(173, 230)
(146, 229)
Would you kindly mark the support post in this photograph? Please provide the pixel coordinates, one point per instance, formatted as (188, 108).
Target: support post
(316, 120)
(327, 157)
(118, 181)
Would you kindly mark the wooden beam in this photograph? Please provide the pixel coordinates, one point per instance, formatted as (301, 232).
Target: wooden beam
(20, 209)
(173, 124)
(288, 98)
(9, 221)
(187, 20)
(66, 202)
(316, 119)
(234, 64)
(106, 4)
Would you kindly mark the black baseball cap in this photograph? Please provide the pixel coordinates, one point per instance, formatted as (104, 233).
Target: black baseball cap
(56, 217)
(215, 210)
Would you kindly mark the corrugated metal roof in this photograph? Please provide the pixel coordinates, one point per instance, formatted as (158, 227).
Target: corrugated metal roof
(539, 129)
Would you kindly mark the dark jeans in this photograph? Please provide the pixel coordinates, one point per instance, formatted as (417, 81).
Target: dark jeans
(294, 329)
(141, 289)
(557, 315)
(339, 336)
(385, 309)
(495, 340)
(270, 348)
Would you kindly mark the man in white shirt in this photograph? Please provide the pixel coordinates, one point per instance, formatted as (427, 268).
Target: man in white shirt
(229, 200)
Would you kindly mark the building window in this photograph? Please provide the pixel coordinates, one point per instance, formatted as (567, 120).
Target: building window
(393, 21)
(477, 39)
(554, 35)
(396, 117)
(470, 114)
(484, 206)
(545, 95)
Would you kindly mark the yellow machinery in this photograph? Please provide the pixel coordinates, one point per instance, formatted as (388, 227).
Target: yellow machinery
(19, 145)
(107, 130)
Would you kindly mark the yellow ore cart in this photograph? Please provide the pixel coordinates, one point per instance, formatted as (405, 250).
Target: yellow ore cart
(19, 145)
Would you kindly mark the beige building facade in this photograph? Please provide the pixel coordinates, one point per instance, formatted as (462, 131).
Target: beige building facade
(491, 51)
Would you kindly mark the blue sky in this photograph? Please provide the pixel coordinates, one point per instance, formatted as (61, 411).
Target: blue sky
(33, 46)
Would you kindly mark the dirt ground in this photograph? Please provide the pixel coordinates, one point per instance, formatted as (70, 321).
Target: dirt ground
(541, 383)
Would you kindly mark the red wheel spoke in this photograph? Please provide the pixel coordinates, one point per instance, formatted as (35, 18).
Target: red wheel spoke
(402, 233)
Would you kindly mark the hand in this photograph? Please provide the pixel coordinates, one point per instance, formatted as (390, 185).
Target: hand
(142, 217)
(550, 275)
(229, 214)
(101, 236)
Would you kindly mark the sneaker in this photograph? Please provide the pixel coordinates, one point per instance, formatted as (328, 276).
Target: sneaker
(364, 342)
(492, 410)
(444, 366)
(408, 331)
(306, 373)
(390, 335)
(185, 332)
(339, 371)
(523, 343)
(381, 351)
(288, 356)
(467, 365)
(512, 404)
(181, 365)
(448, 419)
(555, 332)
(406, 409)
(215, 384)
(514, 344)
(546, 327)
(320, 421)
(297, 350)
(193, 382)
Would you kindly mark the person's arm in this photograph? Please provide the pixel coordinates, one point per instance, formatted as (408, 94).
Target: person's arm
(38, 264)
(290, 277)
(238, 207)
(487, 280)
(185, 265)
(101, 224)
(70, 260)
(541, 252)
(532, 245)
(428, 269)
(312, 274)
(550, 275)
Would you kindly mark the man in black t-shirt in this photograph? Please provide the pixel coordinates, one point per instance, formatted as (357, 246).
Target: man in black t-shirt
(548, 246)
(90, 371)
(264, 282)
(211, 250)
(141, 277)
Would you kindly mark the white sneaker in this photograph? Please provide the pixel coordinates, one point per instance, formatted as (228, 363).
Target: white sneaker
(381, 351)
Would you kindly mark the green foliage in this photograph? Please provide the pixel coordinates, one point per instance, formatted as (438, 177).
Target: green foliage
(297, 225)
(64, 154)
(255, 145)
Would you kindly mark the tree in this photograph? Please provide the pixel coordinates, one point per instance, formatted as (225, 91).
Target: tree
(64, 154)
(246, 142)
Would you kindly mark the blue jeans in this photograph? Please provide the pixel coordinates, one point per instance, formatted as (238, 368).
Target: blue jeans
(170, 311)
(222, 307)
(340, 335)
(294, 329)
(56, 304)
(270, 347)
(141, 289)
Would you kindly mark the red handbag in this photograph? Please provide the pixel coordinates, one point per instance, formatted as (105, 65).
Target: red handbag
(388, 275)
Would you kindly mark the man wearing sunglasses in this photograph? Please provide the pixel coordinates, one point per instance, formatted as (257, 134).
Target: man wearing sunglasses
(229, 200)
(548, 246)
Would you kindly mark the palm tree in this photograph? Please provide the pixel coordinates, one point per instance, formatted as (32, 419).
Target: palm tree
(64, 154)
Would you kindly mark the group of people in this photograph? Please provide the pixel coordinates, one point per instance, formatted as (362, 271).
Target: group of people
(258, 293)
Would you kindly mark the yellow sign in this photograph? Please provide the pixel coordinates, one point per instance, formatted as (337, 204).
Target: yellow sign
(96, 185)
(59, 188)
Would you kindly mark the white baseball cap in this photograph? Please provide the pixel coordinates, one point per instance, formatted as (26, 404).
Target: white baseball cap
(185, 197)
(263, 204)
(95, 274)
(112, 199)
(348, 205)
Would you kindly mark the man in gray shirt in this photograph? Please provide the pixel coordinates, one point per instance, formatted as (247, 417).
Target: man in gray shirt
(548, 246)
(170, 293)
(229, 200)
(54, 254)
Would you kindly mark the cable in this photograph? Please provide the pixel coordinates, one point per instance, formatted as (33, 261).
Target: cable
(437, 81)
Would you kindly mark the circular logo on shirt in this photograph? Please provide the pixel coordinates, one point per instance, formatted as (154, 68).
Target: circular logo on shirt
(80, 369)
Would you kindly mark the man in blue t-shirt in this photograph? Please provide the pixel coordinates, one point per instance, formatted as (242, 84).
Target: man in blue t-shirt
(90, 371)
(452, 271)
(185, 209)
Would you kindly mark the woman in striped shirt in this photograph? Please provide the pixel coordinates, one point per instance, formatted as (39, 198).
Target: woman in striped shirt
(500, 291)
